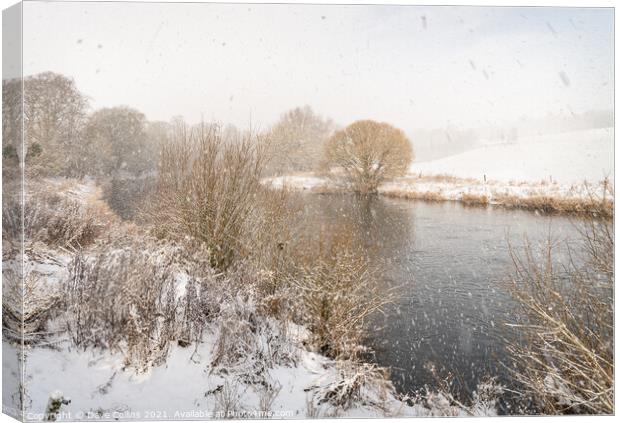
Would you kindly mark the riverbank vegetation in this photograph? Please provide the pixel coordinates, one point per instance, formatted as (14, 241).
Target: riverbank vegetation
(543, 197)
(565, 360)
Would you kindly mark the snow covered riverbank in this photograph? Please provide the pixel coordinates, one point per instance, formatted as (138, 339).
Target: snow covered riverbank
(272, 374)
(562, 172)
(242, 362)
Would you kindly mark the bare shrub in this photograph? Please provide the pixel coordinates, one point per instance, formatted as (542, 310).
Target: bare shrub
(50, 218)
(136, 298)
(367, 153)
(267, 396)
(565, 362)
(272, 234)
(26, 308)
(357, 384)
(337, 289)
(228, 401)
(207, 188)
(128, 197)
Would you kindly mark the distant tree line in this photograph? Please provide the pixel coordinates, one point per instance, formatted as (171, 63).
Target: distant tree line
(64, 137)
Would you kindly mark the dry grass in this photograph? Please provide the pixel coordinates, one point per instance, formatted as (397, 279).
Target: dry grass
(415, 195)
(475, 199)
(51, 218)
(327, 189)
(125, 297)
(442, 177)
(600, 205)
(566, 362)
(548, 204)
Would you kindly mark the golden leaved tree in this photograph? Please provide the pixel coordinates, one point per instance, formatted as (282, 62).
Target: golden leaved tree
(367, 153)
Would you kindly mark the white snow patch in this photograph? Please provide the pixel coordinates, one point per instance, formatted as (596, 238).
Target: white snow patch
(567, 158)
(297, 182)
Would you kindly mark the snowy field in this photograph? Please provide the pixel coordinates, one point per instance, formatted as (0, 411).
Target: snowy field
(566, 166)
(567, 158)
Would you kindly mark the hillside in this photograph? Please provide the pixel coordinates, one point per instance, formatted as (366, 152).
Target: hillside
(566, 158)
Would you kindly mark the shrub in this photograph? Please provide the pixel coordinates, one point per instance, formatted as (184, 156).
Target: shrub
(50, 218)
(207, 188)
(269, 242)
(566, 362)
(26, 307)
(128, 197)
(337, 289)
(357, 383)
(137, 297)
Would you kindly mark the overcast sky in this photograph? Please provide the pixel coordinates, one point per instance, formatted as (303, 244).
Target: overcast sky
(416, 67)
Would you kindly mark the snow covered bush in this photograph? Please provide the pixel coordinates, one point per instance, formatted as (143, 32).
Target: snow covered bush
(50, 218)
(358, 383)
(248, 343)
(26, 308)
(138, 297)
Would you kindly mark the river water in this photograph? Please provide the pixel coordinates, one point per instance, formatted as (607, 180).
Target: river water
(451, 264)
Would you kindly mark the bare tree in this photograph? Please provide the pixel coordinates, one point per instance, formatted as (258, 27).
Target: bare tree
(117, 137)
(54, 112)
(297, 140)
(12, 108)
(367, 153)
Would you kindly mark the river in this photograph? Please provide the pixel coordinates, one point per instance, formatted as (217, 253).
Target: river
(451, 264)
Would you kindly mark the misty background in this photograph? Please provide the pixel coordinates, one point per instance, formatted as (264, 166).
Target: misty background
(451, 77)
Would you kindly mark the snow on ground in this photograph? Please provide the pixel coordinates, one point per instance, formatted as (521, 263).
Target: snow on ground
(190, 385)
(297, 182)
(183, 388)
(566, 158)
